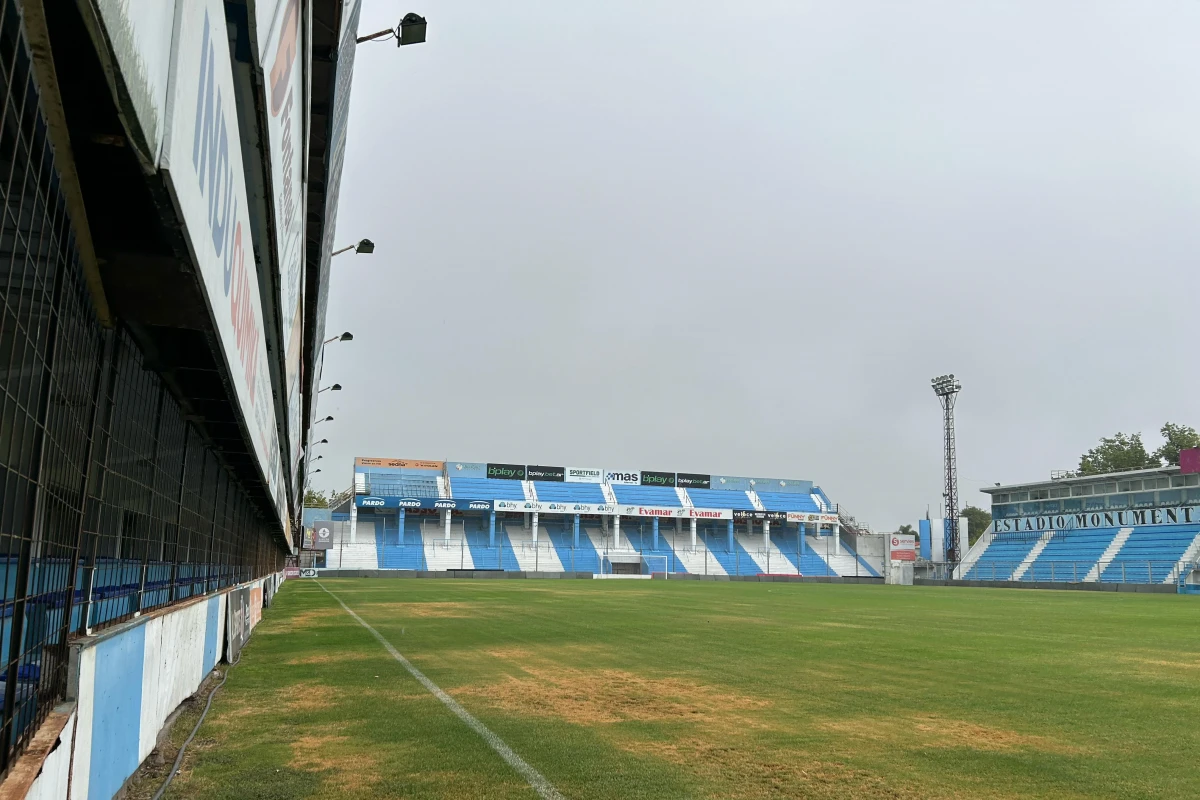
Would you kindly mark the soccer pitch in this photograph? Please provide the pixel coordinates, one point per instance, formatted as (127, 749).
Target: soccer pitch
(623, 689)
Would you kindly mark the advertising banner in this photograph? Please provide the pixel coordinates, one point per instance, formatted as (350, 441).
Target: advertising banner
(1189, 461)
(283, 76)
(584, 475)
(730, 482)
(680, 513)
(707, 513)
(237, 621)
(291, 572)
(400, 463)
(537, 473)
(139, 34)
(624, 477)
(811, 517)
(773, 516)
(203, 163)
(510, 472)
(468, 469)
(1179, 515)
(689, 480)
(902, 547)
(322, 535)
(529, 506)
(658, 478)
(308, 572)
(436, 503)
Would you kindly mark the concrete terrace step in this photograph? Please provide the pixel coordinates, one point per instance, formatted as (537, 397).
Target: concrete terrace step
(1108, 555)
(1027, 562)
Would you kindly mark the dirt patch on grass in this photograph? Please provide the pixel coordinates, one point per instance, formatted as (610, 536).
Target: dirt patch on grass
(345, 766)
(599, 697)
(751, 772)
(329, 657)
(937, 731)
(431, 610)
(301, 621)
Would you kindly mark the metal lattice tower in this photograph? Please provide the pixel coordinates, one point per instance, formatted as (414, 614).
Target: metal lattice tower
(947, 387)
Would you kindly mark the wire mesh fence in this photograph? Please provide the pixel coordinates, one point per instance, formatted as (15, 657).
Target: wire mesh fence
(111, 504)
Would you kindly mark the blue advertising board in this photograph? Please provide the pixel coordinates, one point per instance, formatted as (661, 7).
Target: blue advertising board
(453, 504)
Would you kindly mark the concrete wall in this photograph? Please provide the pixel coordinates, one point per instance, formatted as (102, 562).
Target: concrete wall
(125, 681)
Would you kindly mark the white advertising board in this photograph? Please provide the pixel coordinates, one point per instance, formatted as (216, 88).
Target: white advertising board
(283, 79)
(583, 475)
(139, 33)
(813, 518)
(902, 547)
(624, 477)
(203, 163)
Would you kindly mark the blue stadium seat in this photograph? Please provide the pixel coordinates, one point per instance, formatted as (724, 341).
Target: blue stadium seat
(486, 489)
(785, 501)
(1002, 556)
(1150, 554)
(647, 496)
(1070, 555)
(555, 492)
(721, 498)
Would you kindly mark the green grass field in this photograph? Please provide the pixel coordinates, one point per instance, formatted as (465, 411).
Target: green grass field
(624, 689)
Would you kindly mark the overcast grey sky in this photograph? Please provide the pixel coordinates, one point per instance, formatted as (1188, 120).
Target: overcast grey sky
(742, 238)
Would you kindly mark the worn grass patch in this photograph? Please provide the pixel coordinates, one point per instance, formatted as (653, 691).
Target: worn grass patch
(709, 690)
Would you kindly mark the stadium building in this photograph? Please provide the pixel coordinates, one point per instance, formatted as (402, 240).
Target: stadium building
(458, 515)
(169, 190)
(1140, 527)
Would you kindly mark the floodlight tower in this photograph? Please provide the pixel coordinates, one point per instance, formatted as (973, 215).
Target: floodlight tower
(947, 387)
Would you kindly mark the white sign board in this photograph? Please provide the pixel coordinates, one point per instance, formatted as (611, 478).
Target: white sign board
(902, 547)
(813, 518)
(584, 475)
(203, 163)
(283, 80)
(139, 33)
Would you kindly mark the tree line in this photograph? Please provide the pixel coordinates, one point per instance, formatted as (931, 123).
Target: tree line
(1123, 452)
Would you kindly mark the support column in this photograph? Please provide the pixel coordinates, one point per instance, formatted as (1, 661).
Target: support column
(353, 521)
(731, 536)
(766, 534)
(446, 523)
(577, 530)
(535, 526)
(525, 521)
(837, 539)
(693, 521)
(803, 538)
(492, 529)
(655, 526)
(400, 522)
(678, 527)
(616, 531)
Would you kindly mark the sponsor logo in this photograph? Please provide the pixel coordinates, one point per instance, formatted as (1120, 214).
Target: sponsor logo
(373, 501)
(556, 507)
(658, 478)
(445, 504)
(629, 478)
(323, 533)
(536, 473)
(657, 512)
(705, 513)
(479, 505)
(409, 503)
(508, 472)
(584, 475)
(508, 505)
(688, 481)
(308, 573)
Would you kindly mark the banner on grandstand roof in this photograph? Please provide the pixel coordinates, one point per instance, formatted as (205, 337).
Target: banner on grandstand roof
(688, 480)
(810, 517)
(675, 513)
(531, 506)
(902, 547)
(1179, 515)
(730, 482)
(399, 463)
(584, 475)
(534, 472)
(658, 478)
(436, 503)
(623, 477)
(508, 472)
(770, 516)
(468, 469)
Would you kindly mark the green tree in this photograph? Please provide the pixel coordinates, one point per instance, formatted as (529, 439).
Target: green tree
(1177, 437)
(977, 522)
(1117, 453)
(315, 499)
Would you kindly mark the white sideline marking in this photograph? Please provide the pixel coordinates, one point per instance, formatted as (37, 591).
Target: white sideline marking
(536, 780)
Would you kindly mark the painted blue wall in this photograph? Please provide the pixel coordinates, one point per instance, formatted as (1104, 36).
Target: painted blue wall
(117, 711)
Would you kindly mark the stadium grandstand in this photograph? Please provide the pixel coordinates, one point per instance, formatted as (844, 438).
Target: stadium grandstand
(437, 516)
(1130, 527)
